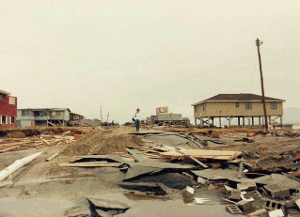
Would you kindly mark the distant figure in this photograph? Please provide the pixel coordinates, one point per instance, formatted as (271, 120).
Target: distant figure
(137, 119)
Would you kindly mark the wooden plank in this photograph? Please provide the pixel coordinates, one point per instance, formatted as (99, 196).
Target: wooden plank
(202, 154)
(66, 132)
(52, 156)
(91, 164)
(15, 143)
(51, 124)
(194, 159)
(9, 149)
(45, 141)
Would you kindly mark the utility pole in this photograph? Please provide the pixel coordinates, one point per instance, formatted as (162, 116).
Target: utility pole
(258, 43)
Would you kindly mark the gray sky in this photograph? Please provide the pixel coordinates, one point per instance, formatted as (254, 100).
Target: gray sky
(127, 54)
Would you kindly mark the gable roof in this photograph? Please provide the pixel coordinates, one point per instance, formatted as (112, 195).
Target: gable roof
(238, 97)
(4, 92)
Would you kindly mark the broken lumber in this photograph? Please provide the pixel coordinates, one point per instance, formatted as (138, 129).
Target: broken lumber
(45, 141)
(15, 143)
(52, 156)
(91, 164)
(194, 159)
(53, 125)
(16, 165)
(202, 154)
(9, 149)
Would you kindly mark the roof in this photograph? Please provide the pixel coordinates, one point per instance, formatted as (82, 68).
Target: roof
(238, 97)
(4, 92)
(53, 109)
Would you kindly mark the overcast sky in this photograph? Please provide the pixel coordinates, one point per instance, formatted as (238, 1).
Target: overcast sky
(124, 55)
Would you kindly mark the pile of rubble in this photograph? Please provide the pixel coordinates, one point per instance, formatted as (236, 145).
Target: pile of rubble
(10, 144)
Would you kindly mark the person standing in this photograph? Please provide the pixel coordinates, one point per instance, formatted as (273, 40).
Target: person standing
(137, 119)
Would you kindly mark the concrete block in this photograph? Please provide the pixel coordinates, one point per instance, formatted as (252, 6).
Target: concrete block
(245, 205)
(298, 203)
(277, 190)
(235, 194)
(246, 186)
(190, 190)
(233, 209)
(276, 213)
(273, 204)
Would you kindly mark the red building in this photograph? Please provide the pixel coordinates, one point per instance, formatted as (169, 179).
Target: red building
(8, 110)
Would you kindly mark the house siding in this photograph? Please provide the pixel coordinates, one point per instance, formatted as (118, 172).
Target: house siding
(217, 109)
(8, 110)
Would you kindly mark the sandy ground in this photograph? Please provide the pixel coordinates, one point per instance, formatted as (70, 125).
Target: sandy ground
(46, 189)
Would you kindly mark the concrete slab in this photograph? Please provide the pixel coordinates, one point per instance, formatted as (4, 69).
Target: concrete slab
(220, 174)
(278, 179)
(138, 170)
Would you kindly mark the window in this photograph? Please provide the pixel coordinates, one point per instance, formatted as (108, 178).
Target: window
(204, 105)
(3, 120)
(38, 113)
(273, 105)
(248, 105)
(12, 120)
(25, 112)
(12, 100)
(237, 104)
(56, 113)
(2, 97)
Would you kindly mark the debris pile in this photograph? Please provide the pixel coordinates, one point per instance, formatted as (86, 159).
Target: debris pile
(42, 140)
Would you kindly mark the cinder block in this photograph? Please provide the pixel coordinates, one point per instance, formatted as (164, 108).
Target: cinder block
(235, 194)
(233, 209)
(273, 204)
(278, 190)
(245, 205)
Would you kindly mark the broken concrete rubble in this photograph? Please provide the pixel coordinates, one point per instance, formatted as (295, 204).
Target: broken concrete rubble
(278, 191)
(154, 175)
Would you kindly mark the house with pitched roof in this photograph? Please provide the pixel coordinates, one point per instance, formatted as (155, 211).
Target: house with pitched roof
(239, 106)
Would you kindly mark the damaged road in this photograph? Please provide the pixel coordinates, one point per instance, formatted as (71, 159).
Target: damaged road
(113, 171)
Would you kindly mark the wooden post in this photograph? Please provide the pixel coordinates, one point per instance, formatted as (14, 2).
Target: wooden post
(281, 121)
(243, 120)
(239, 121)
(212, 120)
(252, 120)
(195, 121)
(258, 43)
(259, 120)
(220, 122)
